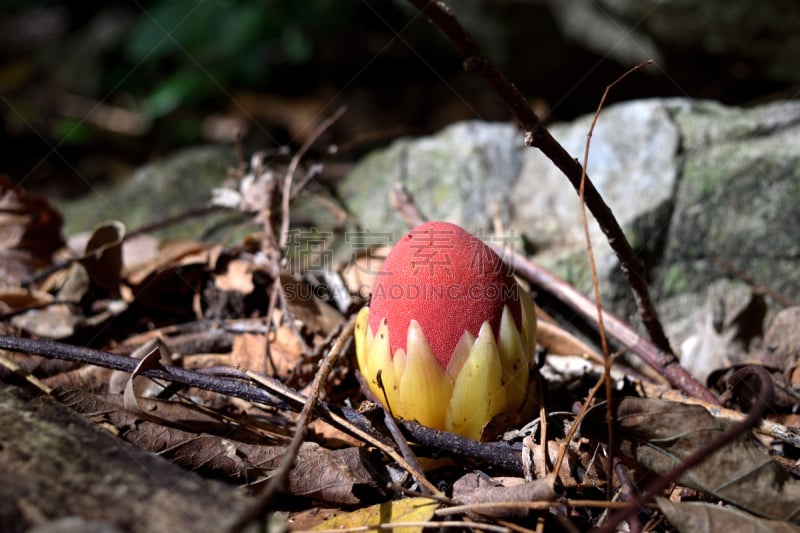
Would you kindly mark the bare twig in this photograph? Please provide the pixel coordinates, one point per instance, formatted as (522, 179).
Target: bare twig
(228, 381)
(664, 363)
(536, 135)
(401, 201)
(595, 280)
(293, 164)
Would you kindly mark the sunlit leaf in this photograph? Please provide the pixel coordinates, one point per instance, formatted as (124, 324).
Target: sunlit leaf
(392, 512)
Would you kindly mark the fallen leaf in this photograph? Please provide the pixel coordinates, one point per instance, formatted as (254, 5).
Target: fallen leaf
(731, 319)
(238, 276)
(305, 306)
(335, 477)
(473, 489)
(557, 340)
(782, 343)
(30, 233)
(53, 322)
(15, 298)
(701, 517)
(660, 435)
(285, 351)
(103, 256)
(392, 512)
(363, 269)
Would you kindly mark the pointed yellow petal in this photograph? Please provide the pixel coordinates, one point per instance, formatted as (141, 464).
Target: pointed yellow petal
(460, 355)
(425, 387)
(478, 390)
(379, 361)
(393, 387)
(361, 334)
(514, 359)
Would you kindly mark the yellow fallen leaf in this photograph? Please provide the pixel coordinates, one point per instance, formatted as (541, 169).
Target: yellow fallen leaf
(397, 511)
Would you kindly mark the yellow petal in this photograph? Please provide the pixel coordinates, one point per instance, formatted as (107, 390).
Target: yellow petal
(425, 387)
(363, 338)
(478, 388)
(514, 359)
(460, 355)
(379, 363)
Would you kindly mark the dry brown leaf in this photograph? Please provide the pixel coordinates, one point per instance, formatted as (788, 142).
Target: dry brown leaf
(360, 273)
(171, 254)
(15, 298)
(249, 352)
(336, 477)
(194, 419)
(701, 517)
(87, 377)
(52, 322)
(331, 436)
(153, 354)
(30, 233)
(782, 343)
(556, 340)
(661, 434)
(473, 489)
(95, 276)
(103, 256)
(542, 468)
(237, 277)
(139, 249)
(306, 307)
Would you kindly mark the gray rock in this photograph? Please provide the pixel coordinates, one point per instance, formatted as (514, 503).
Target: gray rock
(456, 175)
(181, 181)
(472, 171)
(688, 181)
(737, 207)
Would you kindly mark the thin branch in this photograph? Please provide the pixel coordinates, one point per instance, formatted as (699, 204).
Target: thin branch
(536, 135)
(664, 363)
(596, 282)
(293, 164)
(228, 381)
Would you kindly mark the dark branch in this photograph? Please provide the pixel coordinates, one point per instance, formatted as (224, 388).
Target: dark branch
(537, 135)
(228, 381)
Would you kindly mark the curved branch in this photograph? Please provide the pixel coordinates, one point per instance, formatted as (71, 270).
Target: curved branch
(536, 135)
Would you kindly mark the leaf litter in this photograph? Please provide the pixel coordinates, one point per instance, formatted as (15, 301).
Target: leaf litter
(223, 312)
(202, 301)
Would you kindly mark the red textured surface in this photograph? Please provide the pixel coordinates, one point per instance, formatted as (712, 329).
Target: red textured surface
(448, 281)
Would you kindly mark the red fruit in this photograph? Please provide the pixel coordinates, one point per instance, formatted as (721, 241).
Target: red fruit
(448, 281)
